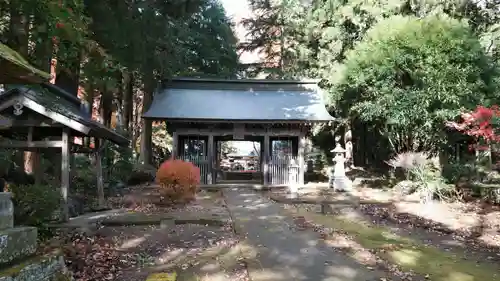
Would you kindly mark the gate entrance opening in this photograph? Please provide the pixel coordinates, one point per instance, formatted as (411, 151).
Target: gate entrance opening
(238, 161)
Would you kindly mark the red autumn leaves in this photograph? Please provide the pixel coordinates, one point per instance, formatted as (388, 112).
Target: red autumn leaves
(178, 180)
(59, 24)
(480, 124)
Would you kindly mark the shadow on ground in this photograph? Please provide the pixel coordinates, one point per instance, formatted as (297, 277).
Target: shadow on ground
(471, 227)
(408, 254)
(194, 240)
(195, 252)
(279, 250)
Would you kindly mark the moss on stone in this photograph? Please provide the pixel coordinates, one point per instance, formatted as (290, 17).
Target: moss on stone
(15, 270)
(17, 243)
(410, 254)
(61, 276)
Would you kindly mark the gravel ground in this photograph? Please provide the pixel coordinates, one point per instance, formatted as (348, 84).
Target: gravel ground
(131, 253)
(476, 223)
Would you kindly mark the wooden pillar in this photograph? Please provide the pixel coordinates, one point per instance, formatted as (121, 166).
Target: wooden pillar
(28, 161)
(65, 172)
(265, 159)
(175, 145)
(181, 142)
(300, 154)
(32, 160)
(100, 179)
(211, 161)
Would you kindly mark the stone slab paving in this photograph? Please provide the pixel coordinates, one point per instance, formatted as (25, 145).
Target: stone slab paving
(281, 252)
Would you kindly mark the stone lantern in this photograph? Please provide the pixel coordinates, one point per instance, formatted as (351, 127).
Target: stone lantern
(338, 179)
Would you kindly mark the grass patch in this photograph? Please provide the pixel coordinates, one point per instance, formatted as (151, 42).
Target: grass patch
(408, 253)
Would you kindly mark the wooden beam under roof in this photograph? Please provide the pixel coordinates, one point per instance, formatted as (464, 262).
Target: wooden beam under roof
(30, 145)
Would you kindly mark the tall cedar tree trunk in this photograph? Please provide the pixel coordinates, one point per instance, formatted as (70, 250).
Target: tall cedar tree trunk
(67, 78)
(116, 105)
(89, 100)
(128, 103)
(147, 130)
(106, 114)
(18, 41)
(106, 107)
(118, 101)
(18, 30)
(136, 129)
(43, 49)
(68, 69)
(42, 58)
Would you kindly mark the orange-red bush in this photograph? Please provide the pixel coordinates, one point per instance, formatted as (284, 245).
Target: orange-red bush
(178, 180)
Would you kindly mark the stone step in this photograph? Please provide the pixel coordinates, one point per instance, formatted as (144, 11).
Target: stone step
(6, 211)
(17, 243)
(48, 267)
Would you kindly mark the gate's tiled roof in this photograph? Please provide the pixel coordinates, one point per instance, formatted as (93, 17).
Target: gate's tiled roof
(239, 100)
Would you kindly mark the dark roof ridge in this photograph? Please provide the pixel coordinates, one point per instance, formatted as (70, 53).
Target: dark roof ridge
(241, 81)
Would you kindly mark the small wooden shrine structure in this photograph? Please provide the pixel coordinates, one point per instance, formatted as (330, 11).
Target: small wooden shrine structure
(43, 116)
(278, 114)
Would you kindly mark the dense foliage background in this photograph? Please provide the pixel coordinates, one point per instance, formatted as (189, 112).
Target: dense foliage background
(112, 54)
(394, 70)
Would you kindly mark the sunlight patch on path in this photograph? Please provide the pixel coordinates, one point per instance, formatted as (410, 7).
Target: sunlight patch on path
(169, 276)
(277, 251)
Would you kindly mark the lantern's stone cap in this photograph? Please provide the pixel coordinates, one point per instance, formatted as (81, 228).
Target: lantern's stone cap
(338, 149)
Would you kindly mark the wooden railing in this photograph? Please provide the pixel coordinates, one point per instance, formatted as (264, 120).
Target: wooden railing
(200, 162)
(284, 170)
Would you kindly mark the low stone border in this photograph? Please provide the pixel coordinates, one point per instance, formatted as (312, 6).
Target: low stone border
(210, 188)
(152, 220)
(125, 222)
(313, 201)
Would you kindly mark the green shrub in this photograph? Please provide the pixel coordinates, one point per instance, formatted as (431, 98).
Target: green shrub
(141, 174)
(493, 177)
(488, 192)
(83, 179)
(456, 172)
(118, 163)
(120, 171)
(83, 185)
(35, 205)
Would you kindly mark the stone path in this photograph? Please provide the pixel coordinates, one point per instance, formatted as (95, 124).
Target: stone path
(285, 253)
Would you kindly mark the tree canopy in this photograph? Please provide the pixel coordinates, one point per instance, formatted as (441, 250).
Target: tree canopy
(371, 78)
(113, 54)
(410, 75)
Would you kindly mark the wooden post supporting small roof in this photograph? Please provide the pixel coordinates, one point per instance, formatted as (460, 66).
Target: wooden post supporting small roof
(65, 173)
(99, 175)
